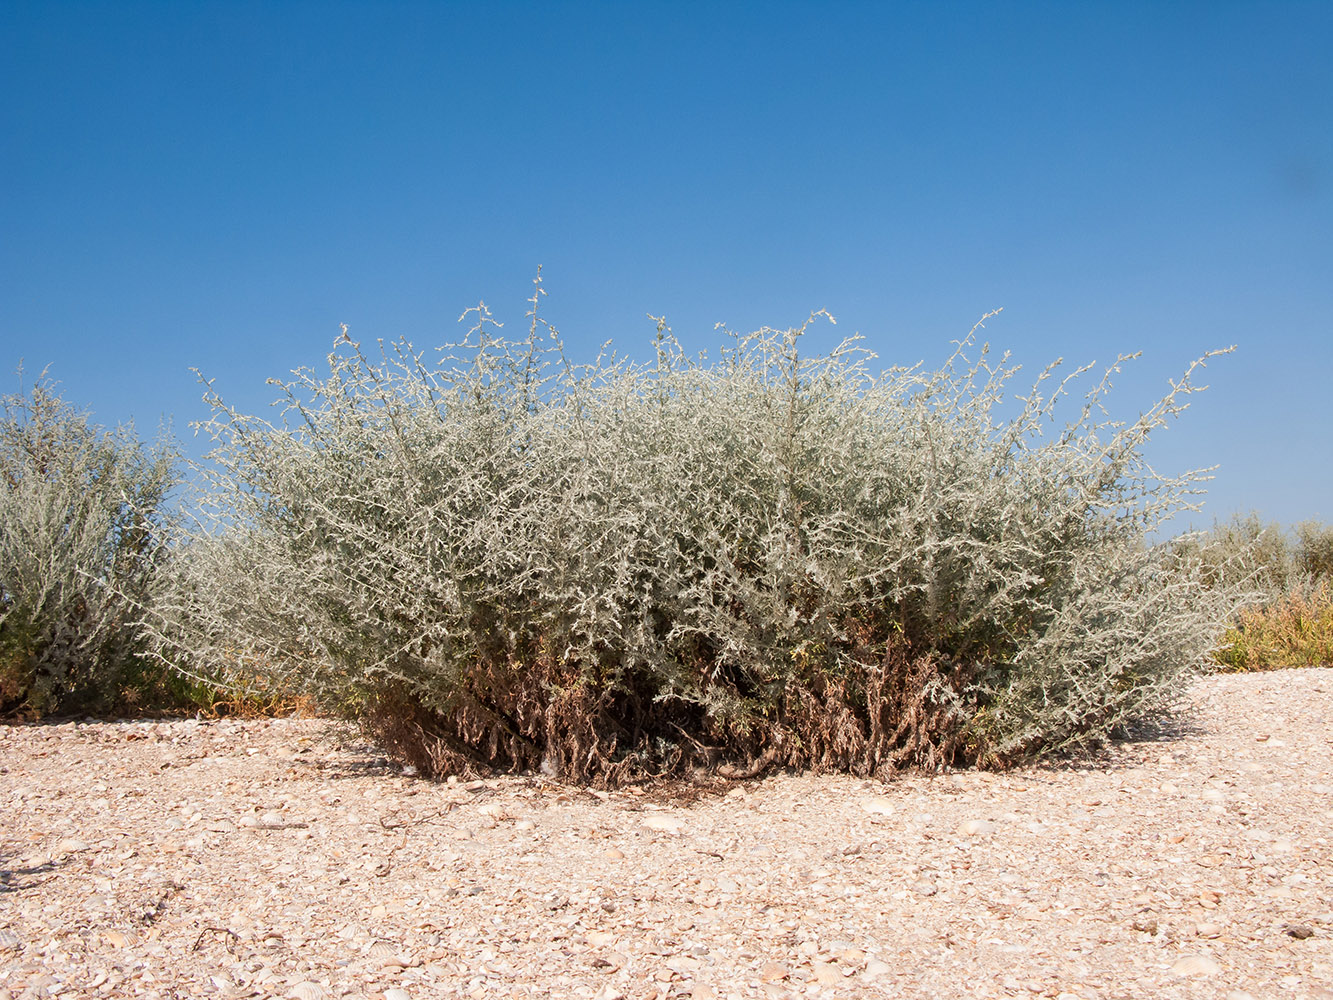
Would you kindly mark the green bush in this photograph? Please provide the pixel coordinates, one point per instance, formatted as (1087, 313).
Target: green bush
(81, 519)
(505, 560)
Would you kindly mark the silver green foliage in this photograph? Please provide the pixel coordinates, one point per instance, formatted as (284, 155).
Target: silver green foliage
(768, 557)
(81, 528)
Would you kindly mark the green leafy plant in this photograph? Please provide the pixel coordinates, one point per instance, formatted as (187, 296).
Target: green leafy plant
(508, 560)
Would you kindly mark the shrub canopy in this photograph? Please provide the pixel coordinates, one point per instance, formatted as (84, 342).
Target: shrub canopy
(81, 529)
(506, 560)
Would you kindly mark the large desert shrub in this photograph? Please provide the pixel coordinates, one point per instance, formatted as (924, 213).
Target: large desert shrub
(81, 513)
(506, 560)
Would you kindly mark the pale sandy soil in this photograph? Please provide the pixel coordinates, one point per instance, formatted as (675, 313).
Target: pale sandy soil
(287, 859)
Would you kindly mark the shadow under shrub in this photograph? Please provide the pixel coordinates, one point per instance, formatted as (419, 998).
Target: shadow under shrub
(507, 561)
(81, 528)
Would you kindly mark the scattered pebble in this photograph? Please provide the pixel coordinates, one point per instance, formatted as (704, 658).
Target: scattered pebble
(878, 805)
(976, 827)
(1195, 965)
(665, 824)
(876, 969)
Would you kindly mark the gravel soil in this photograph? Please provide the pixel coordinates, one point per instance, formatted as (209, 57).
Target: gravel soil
(287, 858)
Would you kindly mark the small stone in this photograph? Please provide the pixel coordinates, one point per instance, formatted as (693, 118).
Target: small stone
(495, 810)
(1299, 931)
(525, 824)
(1208, 930)
(1145, 923)
(826, 973)
(878, 805)
(664, 824)
(924, 887)
(614, 854)
(875, 970)
(976, 827)
(1195, 965)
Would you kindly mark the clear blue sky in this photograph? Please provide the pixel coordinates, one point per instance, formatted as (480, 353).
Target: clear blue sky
(219, 185)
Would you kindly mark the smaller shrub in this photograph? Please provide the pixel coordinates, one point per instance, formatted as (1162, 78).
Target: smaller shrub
(1314, 550)
(1244, 552)
(1288, 618)
(81, 519)
(1296, 630)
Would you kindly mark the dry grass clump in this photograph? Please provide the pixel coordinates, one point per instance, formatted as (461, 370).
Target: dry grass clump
(1288, 620)
(1295, 630)
(504, 560)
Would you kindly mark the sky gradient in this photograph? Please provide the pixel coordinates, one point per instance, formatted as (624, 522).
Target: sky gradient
(220, 185)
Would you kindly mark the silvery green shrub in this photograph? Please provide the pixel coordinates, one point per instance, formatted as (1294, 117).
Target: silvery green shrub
(501, 559)
(81, 529)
